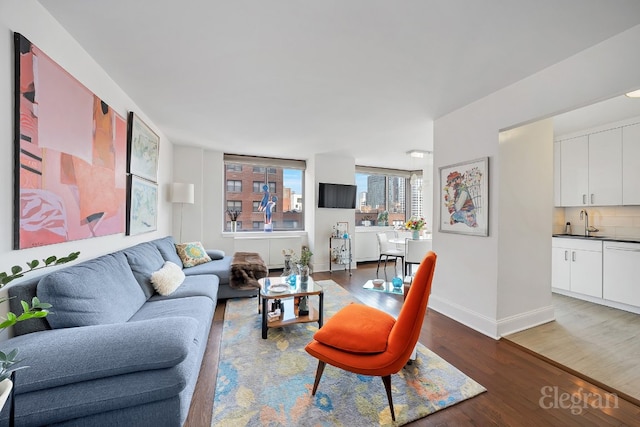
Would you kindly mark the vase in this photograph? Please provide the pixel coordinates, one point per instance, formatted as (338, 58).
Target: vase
(304, 276)
(5, 390)
(234, 226)
(415, 234)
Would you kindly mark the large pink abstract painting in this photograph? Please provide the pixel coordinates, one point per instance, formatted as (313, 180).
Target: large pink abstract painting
(70, 164)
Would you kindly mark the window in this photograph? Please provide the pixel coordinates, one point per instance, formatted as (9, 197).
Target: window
(381, 190)
(281, 206)
(234, 186)
(258, 187)
(234, 205)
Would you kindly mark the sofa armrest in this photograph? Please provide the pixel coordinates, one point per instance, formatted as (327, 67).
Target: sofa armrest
(65, 356)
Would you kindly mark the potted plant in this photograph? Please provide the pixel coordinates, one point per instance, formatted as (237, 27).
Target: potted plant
(303, 268)
(34, 310)
(383, 217)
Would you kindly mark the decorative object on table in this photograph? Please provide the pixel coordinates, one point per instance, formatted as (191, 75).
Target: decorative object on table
(303, 270)
(142, 208)
(37, 309)
(428, 385)
(383, 218)
(378, 283)
(143, 147)
(70, 156)
(415, 225)
(464, 198)
(342, 228)
(233, 217)
(182, 193)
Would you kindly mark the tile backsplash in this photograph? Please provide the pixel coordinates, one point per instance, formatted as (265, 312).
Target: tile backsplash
(611, 221)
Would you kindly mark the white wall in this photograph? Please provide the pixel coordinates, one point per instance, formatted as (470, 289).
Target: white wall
(29, 18)
(468, 280)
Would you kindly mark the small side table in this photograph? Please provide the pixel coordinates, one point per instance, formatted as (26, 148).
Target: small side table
(266, 294)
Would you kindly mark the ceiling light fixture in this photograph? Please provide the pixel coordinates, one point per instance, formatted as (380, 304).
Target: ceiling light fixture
(634, 94)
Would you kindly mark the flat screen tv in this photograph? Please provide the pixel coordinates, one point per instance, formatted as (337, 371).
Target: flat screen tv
(339, 196)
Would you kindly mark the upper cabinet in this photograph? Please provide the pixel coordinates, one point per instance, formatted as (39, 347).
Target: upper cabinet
(631, 165)
(592, 171)
(605, 168)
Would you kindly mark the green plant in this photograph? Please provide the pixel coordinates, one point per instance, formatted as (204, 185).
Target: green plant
(305, 256)
(17, 271)
(36, 310)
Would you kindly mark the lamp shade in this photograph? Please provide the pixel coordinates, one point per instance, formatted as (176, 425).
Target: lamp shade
(181, 192)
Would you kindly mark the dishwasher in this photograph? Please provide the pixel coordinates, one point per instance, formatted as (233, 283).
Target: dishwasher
(621, 270)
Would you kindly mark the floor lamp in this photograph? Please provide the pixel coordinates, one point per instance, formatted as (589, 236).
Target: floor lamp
(181, 193)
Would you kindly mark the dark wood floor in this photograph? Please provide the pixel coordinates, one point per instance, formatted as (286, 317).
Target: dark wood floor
(522, 389)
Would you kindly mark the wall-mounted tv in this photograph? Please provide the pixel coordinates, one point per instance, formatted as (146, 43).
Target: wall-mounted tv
(339, 196)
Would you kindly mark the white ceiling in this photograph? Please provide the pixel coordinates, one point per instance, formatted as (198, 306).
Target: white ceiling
(291, 78)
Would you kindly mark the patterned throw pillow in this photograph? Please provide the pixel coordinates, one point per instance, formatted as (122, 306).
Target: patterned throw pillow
(192, 254)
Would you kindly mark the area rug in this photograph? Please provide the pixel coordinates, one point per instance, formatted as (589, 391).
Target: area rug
(268, 382)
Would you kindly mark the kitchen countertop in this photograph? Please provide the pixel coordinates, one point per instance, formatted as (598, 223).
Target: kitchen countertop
(596, 237)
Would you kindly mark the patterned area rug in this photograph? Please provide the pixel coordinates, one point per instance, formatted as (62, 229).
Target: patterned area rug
(268, 382)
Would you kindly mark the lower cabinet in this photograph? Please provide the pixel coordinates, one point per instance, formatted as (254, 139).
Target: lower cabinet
(577, 266)
(270, 248)
(621, 272)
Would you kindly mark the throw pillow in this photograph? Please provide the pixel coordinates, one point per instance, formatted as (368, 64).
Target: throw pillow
(168, 278)
(192, 253)
(215, 254)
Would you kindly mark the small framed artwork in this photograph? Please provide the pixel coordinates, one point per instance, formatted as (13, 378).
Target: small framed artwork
(143, 149)
(464, 198)
(142, 209)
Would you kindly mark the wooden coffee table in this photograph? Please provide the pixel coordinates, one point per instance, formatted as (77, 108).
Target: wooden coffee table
(289, 292)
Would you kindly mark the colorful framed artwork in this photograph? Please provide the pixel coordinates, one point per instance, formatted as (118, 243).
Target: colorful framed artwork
(464, 198)
(70, 155)
(143, 148)
(142, 210)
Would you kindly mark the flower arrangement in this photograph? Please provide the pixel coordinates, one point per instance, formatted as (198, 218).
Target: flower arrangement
(233, 215)
(415, 224)
(305, 256)
(383, 217)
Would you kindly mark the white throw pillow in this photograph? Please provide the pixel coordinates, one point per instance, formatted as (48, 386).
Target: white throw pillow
(168, 278)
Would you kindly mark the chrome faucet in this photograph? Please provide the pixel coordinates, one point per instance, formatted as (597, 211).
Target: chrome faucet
(587, 229)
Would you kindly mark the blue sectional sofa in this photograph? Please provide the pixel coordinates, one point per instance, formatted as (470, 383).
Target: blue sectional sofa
(113, 352)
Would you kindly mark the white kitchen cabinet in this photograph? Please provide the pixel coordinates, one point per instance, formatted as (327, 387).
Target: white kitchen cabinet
(621, 267)
(631, 165)
(605, 168)
(574, 173)
(577, 266)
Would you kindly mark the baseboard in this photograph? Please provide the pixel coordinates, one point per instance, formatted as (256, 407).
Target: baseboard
(465, 316)
(491, 327)
(522, 321)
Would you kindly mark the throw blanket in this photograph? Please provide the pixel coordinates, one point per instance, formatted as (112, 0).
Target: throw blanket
(246, 269)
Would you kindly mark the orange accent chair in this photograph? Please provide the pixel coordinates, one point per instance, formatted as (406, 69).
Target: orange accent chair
(368, 341)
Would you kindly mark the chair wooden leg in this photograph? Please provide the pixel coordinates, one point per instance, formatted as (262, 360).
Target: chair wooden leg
(319, 372)
(387, 386)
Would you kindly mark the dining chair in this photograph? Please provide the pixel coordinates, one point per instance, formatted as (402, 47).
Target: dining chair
(415, 251)
(367, 341)
(387, 250)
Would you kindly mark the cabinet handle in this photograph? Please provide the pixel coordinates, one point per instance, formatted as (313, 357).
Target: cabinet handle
(566, 255)
(573, 256)
(591, 198)
(584, 199)
(614, 248)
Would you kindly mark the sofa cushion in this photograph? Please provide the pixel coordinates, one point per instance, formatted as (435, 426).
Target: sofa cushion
(99, 291)
(219, 267)
(100, 351)
(192, 253)
(167, 279)
(144, 259)
(167, 248)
